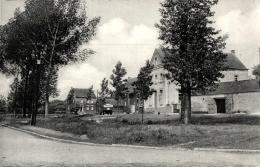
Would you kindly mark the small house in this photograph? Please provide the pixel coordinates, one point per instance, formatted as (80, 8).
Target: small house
(81, 101)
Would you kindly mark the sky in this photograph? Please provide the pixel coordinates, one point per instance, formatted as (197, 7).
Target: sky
(126, 33)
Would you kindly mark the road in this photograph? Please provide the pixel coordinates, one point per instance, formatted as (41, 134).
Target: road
(21, 149)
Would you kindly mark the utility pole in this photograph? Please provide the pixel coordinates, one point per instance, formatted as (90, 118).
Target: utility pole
(97, 104)
(259, 55)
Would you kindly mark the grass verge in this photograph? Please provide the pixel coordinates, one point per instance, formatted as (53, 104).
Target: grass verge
(219, 131)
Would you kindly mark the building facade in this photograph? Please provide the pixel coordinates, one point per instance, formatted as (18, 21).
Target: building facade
(165, 98)
(235, 92)
(81, 101)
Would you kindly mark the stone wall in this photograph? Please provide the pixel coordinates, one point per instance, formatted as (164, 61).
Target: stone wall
(248, 102)
(229, 75)
(243, 102)
(162, 110)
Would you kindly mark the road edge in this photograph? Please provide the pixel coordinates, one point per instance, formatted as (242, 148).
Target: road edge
(174, 147)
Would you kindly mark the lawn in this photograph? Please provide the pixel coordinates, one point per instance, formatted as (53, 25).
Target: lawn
(217, 131)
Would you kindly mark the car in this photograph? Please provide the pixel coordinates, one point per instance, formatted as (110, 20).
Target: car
(107, 109)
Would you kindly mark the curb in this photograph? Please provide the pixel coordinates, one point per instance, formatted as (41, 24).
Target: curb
(227, 150)
(174, 147)
(93, 144)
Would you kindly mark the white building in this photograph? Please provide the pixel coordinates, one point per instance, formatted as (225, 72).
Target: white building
(166, 95)
(235, 92)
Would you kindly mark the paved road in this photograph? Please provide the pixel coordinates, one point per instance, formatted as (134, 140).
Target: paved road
(21, 149)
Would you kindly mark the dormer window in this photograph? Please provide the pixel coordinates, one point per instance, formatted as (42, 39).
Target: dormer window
(236, 77)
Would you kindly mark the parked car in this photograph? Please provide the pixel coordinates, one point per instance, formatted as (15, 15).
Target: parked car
(107, 109)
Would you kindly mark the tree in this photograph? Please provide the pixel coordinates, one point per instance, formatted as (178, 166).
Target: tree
(15, 96)
(3, 106)
(256, 71)
(104, 93)
(143, 83)
(104, 90)
(195, 50)
(118, 83)
(53, 30)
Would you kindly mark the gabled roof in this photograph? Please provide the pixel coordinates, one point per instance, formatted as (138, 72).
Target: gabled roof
(158, 52)
(234, 87)
(82, 93)
(232, 61)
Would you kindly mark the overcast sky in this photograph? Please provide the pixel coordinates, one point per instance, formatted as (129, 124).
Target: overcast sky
(127, 33)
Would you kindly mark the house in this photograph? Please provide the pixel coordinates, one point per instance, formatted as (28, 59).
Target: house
(166, 96)
(81, 101)
(229, 97)
(236, 92)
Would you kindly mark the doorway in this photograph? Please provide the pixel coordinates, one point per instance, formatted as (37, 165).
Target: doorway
(221, 105)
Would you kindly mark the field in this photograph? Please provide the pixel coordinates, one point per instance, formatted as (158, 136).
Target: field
(209, 131)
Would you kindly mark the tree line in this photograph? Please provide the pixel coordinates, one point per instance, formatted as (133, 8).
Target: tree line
(36, 42)
(51, 31)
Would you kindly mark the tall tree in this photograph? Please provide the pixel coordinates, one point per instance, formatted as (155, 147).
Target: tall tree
(103, 93)
(143, 84)
(53, 30)
(195, 49)
(104, 89)
(118, 82)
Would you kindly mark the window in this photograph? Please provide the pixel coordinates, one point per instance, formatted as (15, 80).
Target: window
(160, 97)
(155, 63)
(87, 107)
(236, 77)
(162, 77)
(92, 108)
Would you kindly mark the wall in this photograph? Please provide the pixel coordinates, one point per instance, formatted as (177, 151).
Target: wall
(230, 75)
(167, 93)
(249, 102)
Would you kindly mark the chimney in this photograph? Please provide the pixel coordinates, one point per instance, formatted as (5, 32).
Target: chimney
(233, 52)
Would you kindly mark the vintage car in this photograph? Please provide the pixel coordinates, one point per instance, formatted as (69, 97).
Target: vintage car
(107, 109)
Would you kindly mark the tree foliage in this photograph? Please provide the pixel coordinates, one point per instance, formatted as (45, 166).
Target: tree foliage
(49, 30)
(195, 50)
(256, 70)
(3, 104)
(118, 82)
(104, 90)
(144, 82)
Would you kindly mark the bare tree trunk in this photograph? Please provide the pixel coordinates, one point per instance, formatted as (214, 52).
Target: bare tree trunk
(186, 107)
(46, 109)
(47, 88)
(142, 108)
(25, 94)
(49, 73)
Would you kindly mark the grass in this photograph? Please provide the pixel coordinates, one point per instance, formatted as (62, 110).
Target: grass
(221, 131)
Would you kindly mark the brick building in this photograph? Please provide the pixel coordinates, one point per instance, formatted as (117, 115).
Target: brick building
(81, 101)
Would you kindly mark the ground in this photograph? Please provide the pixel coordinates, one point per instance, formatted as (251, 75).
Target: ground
(210, 131)
(20, 149)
